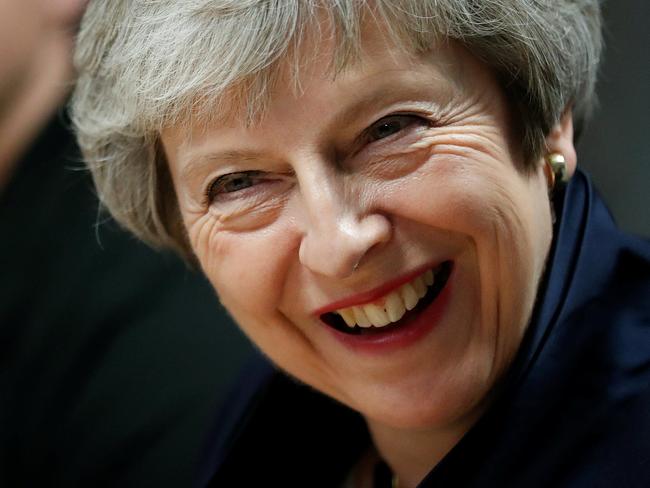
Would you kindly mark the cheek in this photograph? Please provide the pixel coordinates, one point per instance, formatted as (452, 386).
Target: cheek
(247, 269)
(504, 216)
(463, 197)
(250, 272)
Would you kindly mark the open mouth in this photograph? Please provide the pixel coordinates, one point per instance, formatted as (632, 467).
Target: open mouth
(395, 309)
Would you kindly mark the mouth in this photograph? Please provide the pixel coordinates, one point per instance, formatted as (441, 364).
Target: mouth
(395, 310)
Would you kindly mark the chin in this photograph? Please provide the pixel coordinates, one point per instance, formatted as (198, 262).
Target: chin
(439, 403)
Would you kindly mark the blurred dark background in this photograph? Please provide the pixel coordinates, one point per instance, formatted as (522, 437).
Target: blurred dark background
(615, 148)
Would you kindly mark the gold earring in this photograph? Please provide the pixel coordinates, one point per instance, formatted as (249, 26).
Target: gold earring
(555, 169)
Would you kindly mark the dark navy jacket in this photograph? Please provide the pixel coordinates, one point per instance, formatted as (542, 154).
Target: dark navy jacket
(574, 410)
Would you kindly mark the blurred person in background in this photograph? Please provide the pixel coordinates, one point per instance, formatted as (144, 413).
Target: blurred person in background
(108, 351)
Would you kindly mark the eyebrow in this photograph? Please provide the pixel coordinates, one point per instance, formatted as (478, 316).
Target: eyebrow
(386, 94)
(353, 112)
(196, 166)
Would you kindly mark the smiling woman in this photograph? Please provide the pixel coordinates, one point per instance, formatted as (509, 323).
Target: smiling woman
(358, 208)
(374, 190)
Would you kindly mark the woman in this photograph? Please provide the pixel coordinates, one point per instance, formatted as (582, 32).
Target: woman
(376, 192)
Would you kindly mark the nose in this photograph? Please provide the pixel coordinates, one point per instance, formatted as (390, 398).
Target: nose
(339, 232)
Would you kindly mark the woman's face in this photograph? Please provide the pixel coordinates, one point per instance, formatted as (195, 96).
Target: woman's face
(348, 197)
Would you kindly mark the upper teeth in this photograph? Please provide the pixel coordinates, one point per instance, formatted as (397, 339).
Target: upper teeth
(391, 307)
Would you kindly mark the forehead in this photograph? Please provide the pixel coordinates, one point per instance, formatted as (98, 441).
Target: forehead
(379, 67)
(383, 75)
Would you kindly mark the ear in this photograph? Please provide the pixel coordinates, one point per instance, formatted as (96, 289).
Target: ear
(560, 140)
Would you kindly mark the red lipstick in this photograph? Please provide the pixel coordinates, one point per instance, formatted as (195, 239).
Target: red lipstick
(374, 294)
(415, 324)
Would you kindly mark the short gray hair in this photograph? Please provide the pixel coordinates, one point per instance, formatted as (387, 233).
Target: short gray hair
(146, 64)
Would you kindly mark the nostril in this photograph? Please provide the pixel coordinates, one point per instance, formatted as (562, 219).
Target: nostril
(335, 259)
(336, 247)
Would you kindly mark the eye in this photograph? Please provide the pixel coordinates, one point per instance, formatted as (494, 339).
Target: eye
(231, 183)
(392, 124)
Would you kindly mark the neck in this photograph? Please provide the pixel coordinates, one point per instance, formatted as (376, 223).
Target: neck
(412, 453)
(40, 92)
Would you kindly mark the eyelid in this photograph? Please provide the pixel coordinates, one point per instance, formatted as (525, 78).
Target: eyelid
(364, 136)
(255, 174)
(208, 199)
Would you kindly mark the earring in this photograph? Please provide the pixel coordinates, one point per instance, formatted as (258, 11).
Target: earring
(555, 169)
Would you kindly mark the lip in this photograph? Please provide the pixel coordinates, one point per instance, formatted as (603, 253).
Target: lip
(412, 330)
(375, 294)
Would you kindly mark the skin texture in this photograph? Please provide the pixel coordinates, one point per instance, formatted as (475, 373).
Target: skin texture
(445, 185)
(35, 69)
